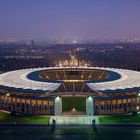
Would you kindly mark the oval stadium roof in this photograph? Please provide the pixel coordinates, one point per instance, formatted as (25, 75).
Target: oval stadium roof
(128, 81)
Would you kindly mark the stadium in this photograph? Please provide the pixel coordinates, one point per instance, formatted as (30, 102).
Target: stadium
(70, 91)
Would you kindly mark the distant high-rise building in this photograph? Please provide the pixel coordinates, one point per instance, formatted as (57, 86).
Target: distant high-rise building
(30, 42)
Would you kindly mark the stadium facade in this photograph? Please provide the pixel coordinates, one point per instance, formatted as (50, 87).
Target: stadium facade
(42, 90)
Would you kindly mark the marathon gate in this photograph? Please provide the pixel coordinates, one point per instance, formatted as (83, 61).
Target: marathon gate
(73, 105)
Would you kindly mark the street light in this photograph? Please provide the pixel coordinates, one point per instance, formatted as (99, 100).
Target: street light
(7, 94)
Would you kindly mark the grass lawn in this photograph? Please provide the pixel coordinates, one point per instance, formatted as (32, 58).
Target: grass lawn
(119, 119)
(8, 118)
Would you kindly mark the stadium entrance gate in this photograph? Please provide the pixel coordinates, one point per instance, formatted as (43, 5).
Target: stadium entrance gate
(74, 106)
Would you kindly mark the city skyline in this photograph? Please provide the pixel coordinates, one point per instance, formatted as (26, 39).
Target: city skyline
(69, 20)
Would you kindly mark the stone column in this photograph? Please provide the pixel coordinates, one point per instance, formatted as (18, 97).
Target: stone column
(36, 106)
(25, 106)
(20, 105)
(117, 105)
(89, 106)
(111, 105)
(30, 106)
(131, 103)
(136, 103)
(139, 103)
(105, 108)
(42, 108)
(127, 104)
(4, 98)
(7, 103)
(122, 109)
(11, 104)
(0, 101)
(58, 106)
(15, 105)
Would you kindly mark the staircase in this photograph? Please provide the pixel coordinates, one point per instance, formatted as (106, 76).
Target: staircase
(74, 120)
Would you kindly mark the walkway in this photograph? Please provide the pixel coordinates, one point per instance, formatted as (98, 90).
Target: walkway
(67, 120)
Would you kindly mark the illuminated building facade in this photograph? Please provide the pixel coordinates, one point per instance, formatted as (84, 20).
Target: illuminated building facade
(42, 90)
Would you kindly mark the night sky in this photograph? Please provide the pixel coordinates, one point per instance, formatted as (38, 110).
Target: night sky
(69, 19)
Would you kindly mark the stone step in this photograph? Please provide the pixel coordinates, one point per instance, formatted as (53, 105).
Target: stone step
(68, 120)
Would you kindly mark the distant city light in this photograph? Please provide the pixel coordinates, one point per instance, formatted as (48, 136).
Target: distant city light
(74, 41)
(60, 65)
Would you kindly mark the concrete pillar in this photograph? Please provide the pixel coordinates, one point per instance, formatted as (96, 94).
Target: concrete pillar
(31, 106)
(15, 104)
(127, 104)
(58, 106)
(139, 103)
(25, 106)
(122, 109)
(0, 101)
(105, 108)
(99, 107)
(7, 103)
(20, 108)
(42, 108)
(89, 106)
(4, 98)
(36, 106)
(111, 105)
(11, 104)
(117, 108)
(131, 103)
(136, 103)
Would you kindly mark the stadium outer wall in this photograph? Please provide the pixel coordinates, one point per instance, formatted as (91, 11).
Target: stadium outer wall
(48, 106)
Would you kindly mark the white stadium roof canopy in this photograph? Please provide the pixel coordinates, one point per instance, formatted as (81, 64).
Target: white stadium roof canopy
(18, 79)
